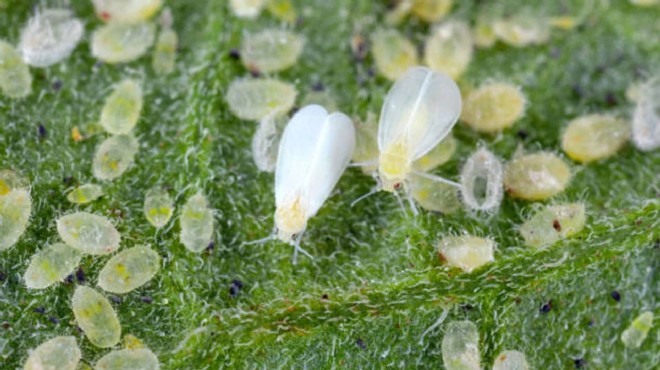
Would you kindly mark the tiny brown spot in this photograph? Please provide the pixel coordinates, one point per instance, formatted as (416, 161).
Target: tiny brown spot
(556, 225)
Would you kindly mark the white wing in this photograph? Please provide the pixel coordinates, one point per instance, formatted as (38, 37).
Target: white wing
(314, 152)
(420, 109)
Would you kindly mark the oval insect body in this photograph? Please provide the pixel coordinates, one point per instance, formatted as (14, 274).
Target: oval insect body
(493, 107)
(393, 53)
(511, 360)
(282, 10)
(88, 233)
(466, 252)
(460, 346)
(158, 207)
(481, 181)
(126, 11)
(553, 223)
(122, 43)
(483, 33)
(636, 333)
(646, 118)
(419, 111)
(433, 195)
(49, 37)
(114, 156)
(61, 353)
(449, 48)
(196, 223)
(129, 359)
(85, 194)
(122, 108)
(96, 317)
(593, 137)
(314, 152)
(164, 58)
(15, 77)
(431, 10)
(536, 176)
(266, 142)
(51, 265)
(10, 180)
(129, 270)
(248, 9)
(259, 98)
(522, 30)
(271, 50)
(15, 210)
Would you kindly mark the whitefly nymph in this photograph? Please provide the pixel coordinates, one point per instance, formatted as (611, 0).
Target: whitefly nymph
(481, 181)
(49, 37)
(314, 151)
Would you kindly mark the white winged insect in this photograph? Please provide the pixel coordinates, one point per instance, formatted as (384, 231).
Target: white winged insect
(419, 111)
(314, 151)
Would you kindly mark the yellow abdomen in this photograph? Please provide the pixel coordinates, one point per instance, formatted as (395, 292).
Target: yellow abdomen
(393, 166)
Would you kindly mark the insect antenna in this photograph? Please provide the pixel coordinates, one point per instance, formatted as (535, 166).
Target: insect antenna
(297, 248)
(370, 163)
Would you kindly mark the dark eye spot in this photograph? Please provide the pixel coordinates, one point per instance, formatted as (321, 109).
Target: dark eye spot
(397, 186)
(360, 343)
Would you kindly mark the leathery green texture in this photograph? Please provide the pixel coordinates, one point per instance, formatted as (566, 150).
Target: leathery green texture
(376, 283)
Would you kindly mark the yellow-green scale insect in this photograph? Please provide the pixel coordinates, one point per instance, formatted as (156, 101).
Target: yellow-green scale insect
(271, 50)
(466, 252)
(393, 53)
(511, 360)
(254, 99)
(88, 233)
(15, 77)
(126, 11)
(552, 223)
(196, 223)
(593, 137)
(114, 156)
(129, 359)
(129, 270)
(282, 10)
(96, 317)
(522, 30)
(434, 196)
(121, 43)
(59, 353)
(430, 10)
(164, 57)
(636, 333)
(10, 180)
(460, 346)
(158, 207)
(449, 48)
(493, 107)
(15, 210)
(247, 9)
(536, 176)
(84, 194)
(51, 265)
(122, 108)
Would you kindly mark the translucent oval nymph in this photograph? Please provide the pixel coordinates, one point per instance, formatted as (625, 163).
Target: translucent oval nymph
(536, 176)
(418, 113)
(51, 265)
(114, 156)
(254, 99)
(449, 48)
(158, 207)
(282, 10)
(437, 156)
(196, 223)
(15, 210)
(393, 53)
(96, 317)
(88, 233)
(522, 30)
(164, 57)
(466, 252)
(460, 346)
(430, 10)
(49, 37)
(122, 43)
(265, 142)
(481, 181)
(366, 143)
(59, 353)
(85, 193)
(594, 137)
(126, 11)
(122, 108)
(15, 77)
(10, 180)
(129, 270)
(483, 33)
(636, 333)
(646, 118)
(129, 359)
(433, 195)
(314, 151)
(271, 50)
(511, 360)
(248, 9)
(493, 107)
(552, 223)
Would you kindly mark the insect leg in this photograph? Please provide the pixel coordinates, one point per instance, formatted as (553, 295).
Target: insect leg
(437, 178)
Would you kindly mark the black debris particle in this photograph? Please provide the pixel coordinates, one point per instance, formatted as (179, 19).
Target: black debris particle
(115, 299)
(235, 287)
(53, 319)
(147, 299)
(80, 275)
(360, 343)
(556, 225)
(68, 180)
(324, 296)
(546, 307)
(40, 310)
(579, 363)
(57, 85)
(318, 86)
(616, 296)
(210, 247)
(522, 134)
(68, 279)
(467, 307)
(5, 325)
(235, 54)
(41, 130)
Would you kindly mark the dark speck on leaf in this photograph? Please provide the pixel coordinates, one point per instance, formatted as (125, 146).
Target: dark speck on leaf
(522, 134)
(41, 130)
(147, 299)
(235, 54)
(53, 319)
(360, 343)
(210, 247)
(318, 86)
(546, 307)
(69, 279)
(615, 296)
(235, 287)
(467, 307)
(80, 275)
(40, 310)
(57, 85)
(556, 225)
(325, 296)
(68, 180)
(5, 325)
(579, 363)
(115, 299)
(3, 276)
(610, 99)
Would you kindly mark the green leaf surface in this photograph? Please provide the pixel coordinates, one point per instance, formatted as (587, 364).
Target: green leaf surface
(376, 286)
